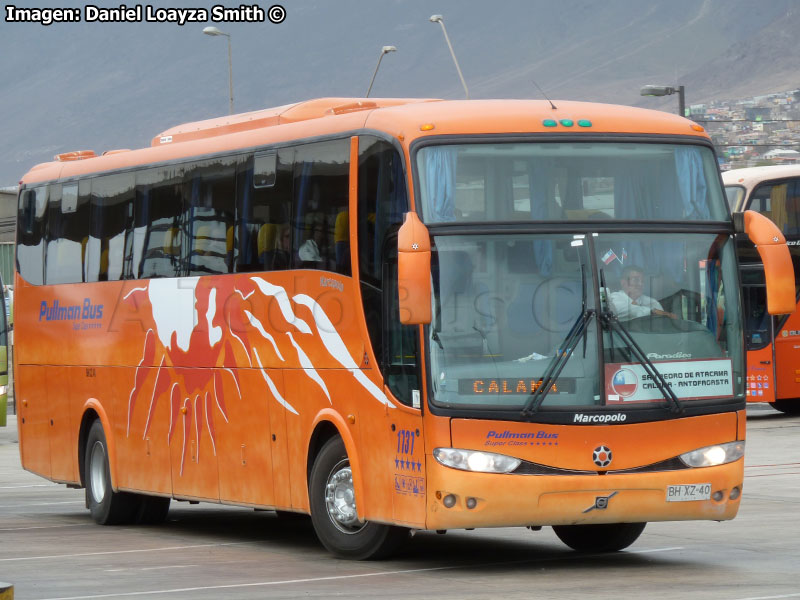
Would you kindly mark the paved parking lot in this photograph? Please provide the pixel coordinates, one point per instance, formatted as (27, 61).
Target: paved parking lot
(50, 549)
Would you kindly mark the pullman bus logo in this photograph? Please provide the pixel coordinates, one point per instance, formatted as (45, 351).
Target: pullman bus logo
(602, 456)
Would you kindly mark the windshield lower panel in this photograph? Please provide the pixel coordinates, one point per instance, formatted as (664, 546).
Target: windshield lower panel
(510, 310)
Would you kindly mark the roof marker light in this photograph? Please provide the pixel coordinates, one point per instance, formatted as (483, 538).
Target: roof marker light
(549, 123)
(426, 127)
(697, 127)
(585, 123)
(567, 122)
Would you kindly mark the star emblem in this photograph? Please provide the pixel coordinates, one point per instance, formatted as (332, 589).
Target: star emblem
(416, 246)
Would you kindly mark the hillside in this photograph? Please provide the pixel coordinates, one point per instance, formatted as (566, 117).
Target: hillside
(99, 86)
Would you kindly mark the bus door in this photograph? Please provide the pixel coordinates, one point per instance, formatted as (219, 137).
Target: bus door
(759, 336)
(397, 489)
(401, 369)
(779, 201)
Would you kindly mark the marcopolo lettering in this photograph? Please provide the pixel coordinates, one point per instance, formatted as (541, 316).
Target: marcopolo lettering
(73, 312)
(607, 418)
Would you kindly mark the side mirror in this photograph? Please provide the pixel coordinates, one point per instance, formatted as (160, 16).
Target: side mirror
(778, 269)
(414, 271)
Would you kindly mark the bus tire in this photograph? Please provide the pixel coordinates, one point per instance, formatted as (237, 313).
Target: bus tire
(609, 537)
(333, 510)
(106, 506)
(788, 407)
(152, 510)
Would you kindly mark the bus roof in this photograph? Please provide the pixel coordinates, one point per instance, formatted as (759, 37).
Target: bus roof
(752, 176)
(404, 118)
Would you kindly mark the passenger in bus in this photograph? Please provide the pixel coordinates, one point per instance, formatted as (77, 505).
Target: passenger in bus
(630, 302)
(309, 252)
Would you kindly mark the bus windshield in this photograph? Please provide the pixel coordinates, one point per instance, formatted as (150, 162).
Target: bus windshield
(480, 182)
(505, 305)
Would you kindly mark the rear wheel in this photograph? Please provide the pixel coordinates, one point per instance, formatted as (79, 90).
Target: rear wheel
(333, 510)
(789, 407)
(106, 506)
(599, 538)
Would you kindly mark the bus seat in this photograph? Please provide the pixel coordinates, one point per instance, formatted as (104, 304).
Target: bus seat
(267, 241)
(341, 238)
(522, 331)
(172, 242)
(458, 320)
(103, 274)
(202, 241)
(540, 315)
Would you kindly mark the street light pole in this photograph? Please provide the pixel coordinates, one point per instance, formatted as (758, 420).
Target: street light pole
(384, 50)
(439, 19)
(667, 90)
(214, 31)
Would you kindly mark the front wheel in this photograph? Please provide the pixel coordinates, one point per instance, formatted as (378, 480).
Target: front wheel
(599, 538)
(333, 510)
(106, 506)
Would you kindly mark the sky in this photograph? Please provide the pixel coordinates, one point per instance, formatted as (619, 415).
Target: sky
(100, 86)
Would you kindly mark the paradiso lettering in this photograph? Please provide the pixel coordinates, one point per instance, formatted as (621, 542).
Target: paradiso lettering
(73, 312)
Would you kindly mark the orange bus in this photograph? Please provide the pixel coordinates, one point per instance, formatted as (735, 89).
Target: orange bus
(393, 315)
(772, 343)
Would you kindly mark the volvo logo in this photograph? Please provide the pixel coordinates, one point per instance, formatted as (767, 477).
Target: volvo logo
(601, 502)
(602, 456)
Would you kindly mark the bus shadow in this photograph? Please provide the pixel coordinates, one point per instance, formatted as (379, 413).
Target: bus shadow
(458, 551)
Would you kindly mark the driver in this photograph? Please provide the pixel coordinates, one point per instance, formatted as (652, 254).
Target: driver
(629, 302)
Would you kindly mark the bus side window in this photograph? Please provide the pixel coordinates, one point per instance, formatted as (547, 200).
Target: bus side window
(262, 235)
(158, 237)
(320, 225)
(210, 188)
(111, 234)
(68, 233)
(31, 234)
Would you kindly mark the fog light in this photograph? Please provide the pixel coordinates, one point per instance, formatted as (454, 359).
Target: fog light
(735, 493)
(471, 503)
(717, 496)
(449, 501)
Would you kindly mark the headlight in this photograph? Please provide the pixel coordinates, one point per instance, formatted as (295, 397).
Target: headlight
(473, 460)
(712, 456)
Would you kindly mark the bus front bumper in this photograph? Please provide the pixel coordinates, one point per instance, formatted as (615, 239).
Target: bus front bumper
(460, 499)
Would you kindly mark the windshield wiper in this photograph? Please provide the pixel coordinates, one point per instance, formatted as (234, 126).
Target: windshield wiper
(558, 362)
(609, 320)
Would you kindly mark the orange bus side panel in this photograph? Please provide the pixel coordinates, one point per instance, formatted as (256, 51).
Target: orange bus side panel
(244, 453)
(761, 382)
(63, 432)
(195, 375)
(787, 356)
(142, 458)
(33, 419)
(195, 468)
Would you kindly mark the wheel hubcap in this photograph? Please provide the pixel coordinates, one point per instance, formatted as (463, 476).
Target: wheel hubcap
(340, 499)
(97, 472)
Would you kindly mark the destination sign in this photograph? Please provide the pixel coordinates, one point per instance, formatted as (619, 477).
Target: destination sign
(506, 386)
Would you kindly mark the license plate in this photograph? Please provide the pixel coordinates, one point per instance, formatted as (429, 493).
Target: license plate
(687, 492)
